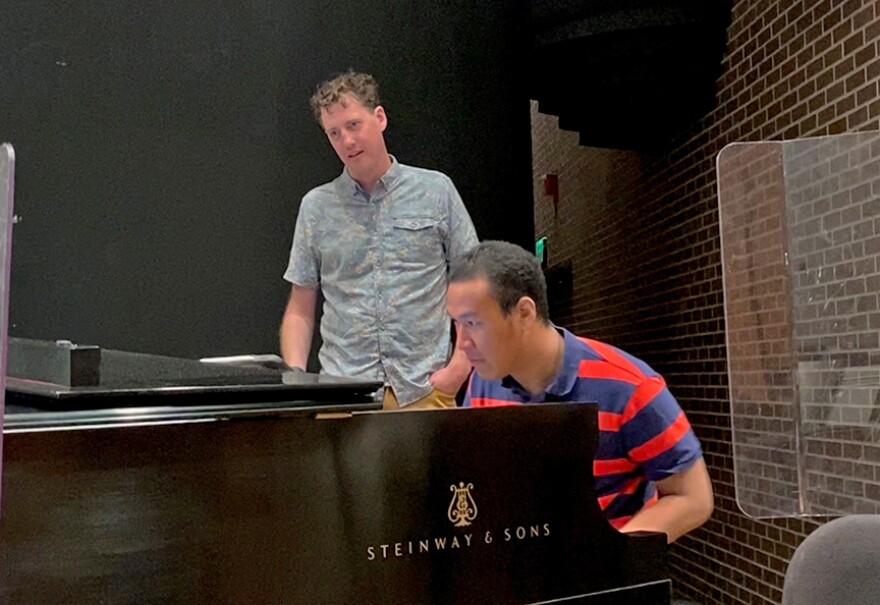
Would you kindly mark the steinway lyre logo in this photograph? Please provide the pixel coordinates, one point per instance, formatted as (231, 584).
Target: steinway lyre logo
(462, 508)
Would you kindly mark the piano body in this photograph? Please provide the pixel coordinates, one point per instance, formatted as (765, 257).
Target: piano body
(304, 499)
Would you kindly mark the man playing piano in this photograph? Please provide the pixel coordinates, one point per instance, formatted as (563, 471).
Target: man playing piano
(649, 467)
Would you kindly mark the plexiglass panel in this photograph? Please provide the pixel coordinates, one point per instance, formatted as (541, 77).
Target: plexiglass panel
(800, 233)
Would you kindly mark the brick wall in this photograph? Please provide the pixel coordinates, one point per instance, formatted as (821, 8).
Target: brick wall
(642, 235)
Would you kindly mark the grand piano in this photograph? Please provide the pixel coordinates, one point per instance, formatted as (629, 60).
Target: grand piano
(257, 486)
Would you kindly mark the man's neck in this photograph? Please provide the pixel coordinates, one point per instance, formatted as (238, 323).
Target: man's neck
(545, 358)
(368, 183)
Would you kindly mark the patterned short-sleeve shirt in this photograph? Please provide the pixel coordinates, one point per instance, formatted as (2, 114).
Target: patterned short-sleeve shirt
(381, 262)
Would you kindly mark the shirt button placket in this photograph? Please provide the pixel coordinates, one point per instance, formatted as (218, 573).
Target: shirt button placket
(378, 261)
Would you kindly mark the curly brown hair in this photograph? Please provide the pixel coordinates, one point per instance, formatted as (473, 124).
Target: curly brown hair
(361, 86)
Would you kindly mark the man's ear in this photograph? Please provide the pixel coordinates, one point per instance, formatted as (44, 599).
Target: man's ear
(379, 112)
(526, 309)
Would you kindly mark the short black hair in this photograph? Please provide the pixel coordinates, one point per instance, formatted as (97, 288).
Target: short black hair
(512, 272)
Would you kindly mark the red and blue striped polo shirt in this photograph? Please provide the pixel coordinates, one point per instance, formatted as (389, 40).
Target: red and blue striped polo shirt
(643, 434)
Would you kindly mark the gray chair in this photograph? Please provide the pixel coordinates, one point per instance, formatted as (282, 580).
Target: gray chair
(838, 564)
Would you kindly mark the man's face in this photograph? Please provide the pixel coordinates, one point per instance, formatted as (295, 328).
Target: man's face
(355, 133)
(491, 340)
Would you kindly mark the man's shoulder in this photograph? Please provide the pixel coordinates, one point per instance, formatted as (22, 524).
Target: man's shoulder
(322, 190)
(319, 198)
(604, 353)
(426, 175)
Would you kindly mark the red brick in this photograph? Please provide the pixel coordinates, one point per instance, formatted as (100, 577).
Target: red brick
(855, 81)
(851, 44)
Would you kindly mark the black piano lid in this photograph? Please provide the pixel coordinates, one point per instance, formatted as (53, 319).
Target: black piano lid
(136, 379)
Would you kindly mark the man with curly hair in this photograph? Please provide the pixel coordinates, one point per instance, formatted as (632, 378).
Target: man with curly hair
(377, 241)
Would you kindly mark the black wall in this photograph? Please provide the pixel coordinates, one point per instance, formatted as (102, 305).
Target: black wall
(163, 147)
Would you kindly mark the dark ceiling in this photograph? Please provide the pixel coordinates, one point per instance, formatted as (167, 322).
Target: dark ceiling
(628, 74)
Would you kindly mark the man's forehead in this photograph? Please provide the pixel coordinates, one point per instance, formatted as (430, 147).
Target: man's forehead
(473, 292)
(470, 286)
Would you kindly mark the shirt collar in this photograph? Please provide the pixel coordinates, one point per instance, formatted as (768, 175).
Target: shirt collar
(564, 381)
(387, 180)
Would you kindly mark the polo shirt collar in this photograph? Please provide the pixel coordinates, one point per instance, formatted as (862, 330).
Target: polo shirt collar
(564, 382)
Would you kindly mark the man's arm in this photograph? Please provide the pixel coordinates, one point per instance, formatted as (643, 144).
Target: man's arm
(461, 237)
(686, 502)
(297, 326)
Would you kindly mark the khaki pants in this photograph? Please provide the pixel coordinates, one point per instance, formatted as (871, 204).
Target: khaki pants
(435, 400)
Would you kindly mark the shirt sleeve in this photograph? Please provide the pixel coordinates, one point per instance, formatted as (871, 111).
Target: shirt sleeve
(659, 437)
(304, 266)
(461, 235)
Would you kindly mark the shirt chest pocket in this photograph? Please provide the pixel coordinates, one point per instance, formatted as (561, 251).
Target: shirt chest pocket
(415, 241)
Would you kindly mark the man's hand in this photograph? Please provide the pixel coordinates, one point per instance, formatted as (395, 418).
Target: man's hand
(447, 380)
